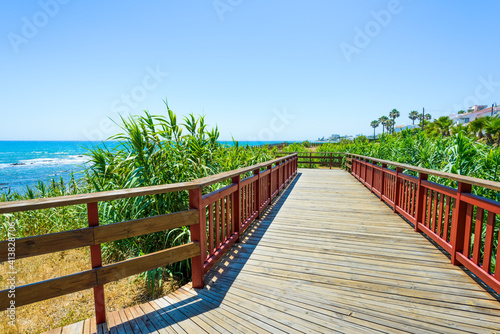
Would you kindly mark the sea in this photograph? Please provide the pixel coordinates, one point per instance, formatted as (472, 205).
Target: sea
(24, 163)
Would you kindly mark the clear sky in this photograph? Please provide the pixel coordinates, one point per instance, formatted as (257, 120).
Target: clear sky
(259, 69)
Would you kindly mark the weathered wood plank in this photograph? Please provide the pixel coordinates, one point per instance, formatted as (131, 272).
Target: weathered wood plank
(133, 228)
(116, 271)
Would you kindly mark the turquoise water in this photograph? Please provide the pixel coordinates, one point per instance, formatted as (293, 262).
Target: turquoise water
(24, 163)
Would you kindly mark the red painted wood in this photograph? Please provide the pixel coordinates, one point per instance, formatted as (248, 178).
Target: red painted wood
(258, 193)
(458, 222)
(468, 230)
(447, 219)
(413, 200)
(497, 268)
(198, 233)
(406, 215)
(372, 176)
(228, 218)
(435, 237)
(224, 231)
(96, 261)
(442, 189)
(218, 254)
(434, 211)
(429, 210)
(488, 241)
(489, 279)
(397, 189)
(476, 254)
(486, 204)
(382, 181)
(236, 208)
(440, 216)
(218, 194)
(217, 225)
(437, 210)
(210, 229)
(270, 183)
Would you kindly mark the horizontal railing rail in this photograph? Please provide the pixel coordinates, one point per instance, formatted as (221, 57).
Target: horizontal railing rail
(464, 224)
(228, 211)
(330, 159)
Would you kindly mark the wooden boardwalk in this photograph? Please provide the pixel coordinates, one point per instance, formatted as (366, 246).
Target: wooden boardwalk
(327, 257)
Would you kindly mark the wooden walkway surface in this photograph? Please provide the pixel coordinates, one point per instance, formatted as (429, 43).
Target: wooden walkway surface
(327, 257)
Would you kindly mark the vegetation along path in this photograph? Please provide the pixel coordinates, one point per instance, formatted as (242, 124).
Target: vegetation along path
(327, 257)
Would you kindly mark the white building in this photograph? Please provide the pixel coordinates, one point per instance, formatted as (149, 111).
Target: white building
(473, 113)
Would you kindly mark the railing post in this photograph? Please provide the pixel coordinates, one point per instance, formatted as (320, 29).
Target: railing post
(373, 176)
(236, 207)
(382, 182)
(310, 160)
(363, 164)
(270, 187)
(419, 207)
(396, 191)
(96, 260)
(257, 192)
(331, 160)
(198, 233)
(278, 177)
(458, 222)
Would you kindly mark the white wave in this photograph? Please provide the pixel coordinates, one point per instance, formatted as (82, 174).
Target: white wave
(40, 162)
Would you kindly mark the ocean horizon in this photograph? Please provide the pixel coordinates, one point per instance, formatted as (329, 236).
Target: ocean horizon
(23, 163)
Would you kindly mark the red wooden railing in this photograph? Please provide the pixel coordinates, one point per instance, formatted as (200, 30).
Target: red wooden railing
(454, 218)
(228, 211)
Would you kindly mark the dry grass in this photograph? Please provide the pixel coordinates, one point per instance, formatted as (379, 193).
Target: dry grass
(48, 314)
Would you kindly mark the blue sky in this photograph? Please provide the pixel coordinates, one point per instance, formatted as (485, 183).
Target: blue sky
(260, 70)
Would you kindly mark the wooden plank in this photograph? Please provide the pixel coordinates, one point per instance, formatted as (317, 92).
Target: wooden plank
(218, 194)
(154, 322)
(56, 242)
(76, 328)
(56, 287)
(49, 243)
(141, 319)
(137, 324)
(137, 227)
(119, 270)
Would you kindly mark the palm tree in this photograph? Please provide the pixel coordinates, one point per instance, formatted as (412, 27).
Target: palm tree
(383, 120)
(424, 120)
(492, 129)
(374, 124)
(477, 126)
(394, 114)
(443, 125)
(413, 116)
(390, 125)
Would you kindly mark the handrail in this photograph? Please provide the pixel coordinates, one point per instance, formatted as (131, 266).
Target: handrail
(463, 224)
(230, 211)
(331, 159)
(455, 177)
